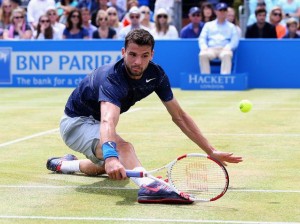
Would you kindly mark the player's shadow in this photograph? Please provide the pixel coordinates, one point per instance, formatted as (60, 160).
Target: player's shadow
(105, 186)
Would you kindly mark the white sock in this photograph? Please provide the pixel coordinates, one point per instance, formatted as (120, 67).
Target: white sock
(70, 166)
(143, 180)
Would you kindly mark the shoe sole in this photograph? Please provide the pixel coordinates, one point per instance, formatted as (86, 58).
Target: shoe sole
(159, 200)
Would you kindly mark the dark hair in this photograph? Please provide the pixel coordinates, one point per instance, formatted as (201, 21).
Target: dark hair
(140, 37)
(210, 6)
(69, 22)
(49, 32)
(260, 10)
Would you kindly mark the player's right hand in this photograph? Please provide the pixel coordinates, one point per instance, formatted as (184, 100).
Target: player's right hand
(114, 169)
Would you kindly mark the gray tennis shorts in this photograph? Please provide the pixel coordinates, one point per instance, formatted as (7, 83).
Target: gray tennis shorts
(82, 135)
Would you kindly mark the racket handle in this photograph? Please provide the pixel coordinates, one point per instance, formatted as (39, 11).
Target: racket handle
(131, 173)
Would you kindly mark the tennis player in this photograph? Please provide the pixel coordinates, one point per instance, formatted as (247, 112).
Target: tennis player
(93, 110)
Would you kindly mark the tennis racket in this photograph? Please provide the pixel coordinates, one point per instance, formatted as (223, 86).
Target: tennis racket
(194, 176)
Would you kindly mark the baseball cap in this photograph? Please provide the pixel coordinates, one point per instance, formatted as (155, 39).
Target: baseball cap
(134, 10)
(194, 10)
(221, 6)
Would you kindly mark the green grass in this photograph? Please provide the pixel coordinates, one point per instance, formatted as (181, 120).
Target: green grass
(264, 188)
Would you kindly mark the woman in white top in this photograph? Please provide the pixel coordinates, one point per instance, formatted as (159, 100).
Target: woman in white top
(163, 29)
(113, 20)
(45, 30)
(145, 17)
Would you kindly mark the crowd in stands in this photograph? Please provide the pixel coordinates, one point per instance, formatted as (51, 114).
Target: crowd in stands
(113, 19)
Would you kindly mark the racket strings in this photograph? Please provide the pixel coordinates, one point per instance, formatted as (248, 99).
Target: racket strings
(198, 176)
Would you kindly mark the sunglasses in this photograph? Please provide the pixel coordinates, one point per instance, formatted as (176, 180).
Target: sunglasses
(196, 15)
(103, 19)
(75, 16)
(45, 21)
(6, 6)
(52, 14)
(145, 12)
(162, 16)
(19, 17)
(112, 14)
(277, 14)
(134, 17)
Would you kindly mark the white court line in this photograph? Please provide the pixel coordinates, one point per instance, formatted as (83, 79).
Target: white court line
(138, 219)
(44, 133)
(46, 187)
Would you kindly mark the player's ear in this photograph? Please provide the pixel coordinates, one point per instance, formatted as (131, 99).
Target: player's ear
(123, 52)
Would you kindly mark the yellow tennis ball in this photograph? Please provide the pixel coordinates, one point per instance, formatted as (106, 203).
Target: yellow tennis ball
(245, 106)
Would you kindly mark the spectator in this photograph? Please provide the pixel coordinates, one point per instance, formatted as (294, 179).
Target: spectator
(102, 4)
(15, 4)
(35, 9)
(275, 19)
(45, 30)
(207, 12)
(292, 26)
(103, 31)
(232, 18)
(74, 29)
(167, 5)
(92, 5)
(130, 3)
(261, 29)
(86, 21)
(113, 20)
(18, 29)
(5, 14)
(64, 7)
(120, 11)
(134, 16)
(194, 28)
(145, 20)
(252, 17)
(268, 4)
(291, 8)
(57, 26)
(218, 39)
(163, 29)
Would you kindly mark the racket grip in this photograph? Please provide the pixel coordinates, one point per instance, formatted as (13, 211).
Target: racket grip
(131, 173)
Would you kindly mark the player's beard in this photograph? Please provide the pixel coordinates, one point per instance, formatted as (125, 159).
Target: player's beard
(134, 74)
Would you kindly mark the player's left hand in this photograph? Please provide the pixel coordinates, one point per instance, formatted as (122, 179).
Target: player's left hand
(225, 157)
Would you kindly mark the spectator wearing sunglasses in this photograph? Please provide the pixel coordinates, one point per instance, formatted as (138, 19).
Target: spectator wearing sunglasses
(275, 19)
(113, 20)
(103, 31)
(135, 22)
(18, 29)
(194, 28)
(45, 30)
(146, 17)
(57, 26)
(163, 29)
(74, 28)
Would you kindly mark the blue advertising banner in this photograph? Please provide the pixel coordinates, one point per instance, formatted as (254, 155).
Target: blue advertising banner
(5, 65)
(196, 81)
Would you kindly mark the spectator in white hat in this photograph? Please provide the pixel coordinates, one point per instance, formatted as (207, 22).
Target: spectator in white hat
(57, 26)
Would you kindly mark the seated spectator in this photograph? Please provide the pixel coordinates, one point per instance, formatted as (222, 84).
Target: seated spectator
(261, 29)
(252, 18)
(86, 21)
(167, 5)
(103, 31)
(145, 17)
(57, 26)
(113, 20)
(268, 4)
(194, 28)
(134, 16)
(18, 29)
(207, 12)
(232, 18)
(130, 3)
(292, 27)
(291, 8)
(218, 39)
(35, 9)
(163, 29)
(74, 29)
(15, 4)
(275, 20)
(102, 4)
(5, 14)
(45, 30)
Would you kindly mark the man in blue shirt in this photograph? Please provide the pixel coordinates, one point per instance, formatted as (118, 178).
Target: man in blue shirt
(218, 38)
(194, 28)
(93, 110)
